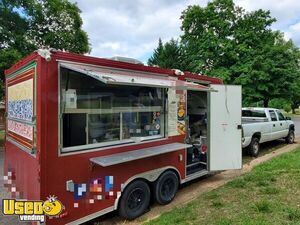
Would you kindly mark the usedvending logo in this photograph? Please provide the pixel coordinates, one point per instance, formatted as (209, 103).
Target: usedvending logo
(32, 210)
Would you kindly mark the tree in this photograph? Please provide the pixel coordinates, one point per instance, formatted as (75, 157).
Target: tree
(280, 103)
(295, 93)
(208, 36)
(26, 25)
(225, 41)
(269, 73)
(168, 55)
(156, 58)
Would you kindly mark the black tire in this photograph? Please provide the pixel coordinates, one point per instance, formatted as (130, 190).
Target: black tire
(134, 200)
(253, 149)
(165, 188)
(290, 138)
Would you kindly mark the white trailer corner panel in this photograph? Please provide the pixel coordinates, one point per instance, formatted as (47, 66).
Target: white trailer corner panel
(225, 128)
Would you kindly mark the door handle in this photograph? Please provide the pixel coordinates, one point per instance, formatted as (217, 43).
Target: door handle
(274, 125)
(280, 124)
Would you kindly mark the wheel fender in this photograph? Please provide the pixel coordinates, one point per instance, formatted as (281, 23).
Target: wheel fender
(256, 135)
(149, 176)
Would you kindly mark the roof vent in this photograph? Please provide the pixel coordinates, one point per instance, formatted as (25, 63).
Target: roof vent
(45, 53)
(178, 72)
(125, 59)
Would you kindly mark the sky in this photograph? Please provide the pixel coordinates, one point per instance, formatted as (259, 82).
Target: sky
(131, 28)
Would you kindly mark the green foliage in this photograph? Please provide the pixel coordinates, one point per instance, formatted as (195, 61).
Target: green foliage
(270, 190)
(237, 183)
(293, 213)
(225, 41)
(294, 93)
(7, 58)
(168, 55)
(26, 25)
(281, 103)
(224, 222)
(217, 203)
(263, 206)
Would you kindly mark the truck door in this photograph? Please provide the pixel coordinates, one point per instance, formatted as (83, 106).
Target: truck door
(283, 125)
(225, 147)
(275, 125)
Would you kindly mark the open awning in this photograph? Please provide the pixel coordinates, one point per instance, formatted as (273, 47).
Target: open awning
(133, 79)
(184, 85)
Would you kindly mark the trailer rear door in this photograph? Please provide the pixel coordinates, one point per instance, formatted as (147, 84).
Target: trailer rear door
(225, 147)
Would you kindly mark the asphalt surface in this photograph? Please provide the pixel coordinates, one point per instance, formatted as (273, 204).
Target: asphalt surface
(296, 120)
(13, 220)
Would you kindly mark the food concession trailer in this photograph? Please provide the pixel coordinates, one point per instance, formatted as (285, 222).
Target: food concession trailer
(104, 135)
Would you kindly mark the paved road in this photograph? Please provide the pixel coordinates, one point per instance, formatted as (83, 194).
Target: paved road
(297, 125)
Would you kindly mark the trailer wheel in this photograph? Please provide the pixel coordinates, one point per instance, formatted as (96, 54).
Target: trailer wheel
(253, 149)
(165, 187)
(290, 138)
(135, 200)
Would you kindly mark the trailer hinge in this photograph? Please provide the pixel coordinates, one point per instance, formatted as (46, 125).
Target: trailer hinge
(33, 150)
(33, 119)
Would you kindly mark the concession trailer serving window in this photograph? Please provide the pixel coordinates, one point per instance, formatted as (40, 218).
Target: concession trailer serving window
(101, 109)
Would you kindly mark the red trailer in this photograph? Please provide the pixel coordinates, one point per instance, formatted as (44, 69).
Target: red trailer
(103, 135)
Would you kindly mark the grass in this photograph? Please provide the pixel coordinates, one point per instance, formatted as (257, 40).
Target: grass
(268, 195)
(265, 148)
(292, 115)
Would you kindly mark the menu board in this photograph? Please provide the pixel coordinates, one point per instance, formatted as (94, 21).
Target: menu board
(176, 112)
(181, 111)
(172, 112)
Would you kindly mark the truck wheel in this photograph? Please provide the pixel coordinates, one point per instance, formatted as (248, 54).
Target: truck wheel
(165, 188)
(253, 149)
(135, 200)
(290, 138)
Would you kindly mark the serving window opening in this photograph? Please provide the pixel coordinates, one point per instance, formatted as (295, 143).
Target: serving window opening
(197, 131)
(97, 114)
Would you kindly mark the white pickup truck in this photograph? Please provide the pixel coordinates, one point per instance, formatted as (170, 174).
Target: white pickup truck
(264, 124)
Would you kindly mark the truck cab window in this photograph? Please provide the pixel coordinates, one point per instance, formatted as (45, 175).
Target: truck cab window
(253, 113)
(280, 116)
(273, 115)
(95, 114)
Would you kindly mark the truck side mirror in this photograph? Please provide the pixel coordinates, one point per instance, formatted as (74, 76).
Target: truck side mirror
(288, 118)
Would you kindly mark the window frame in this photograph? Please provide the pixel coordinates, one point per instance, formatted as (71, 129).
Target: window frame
(111, 144)
(262, 112)
(274, 114)
(278, 115)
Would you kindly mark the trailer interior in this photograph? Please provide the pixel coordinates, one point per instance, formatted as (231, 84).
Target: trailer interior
(197, 132)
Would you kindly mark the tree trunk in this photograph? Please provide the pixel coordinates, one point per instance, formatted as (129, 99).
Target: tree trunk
(266, 102)
(293, 110)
